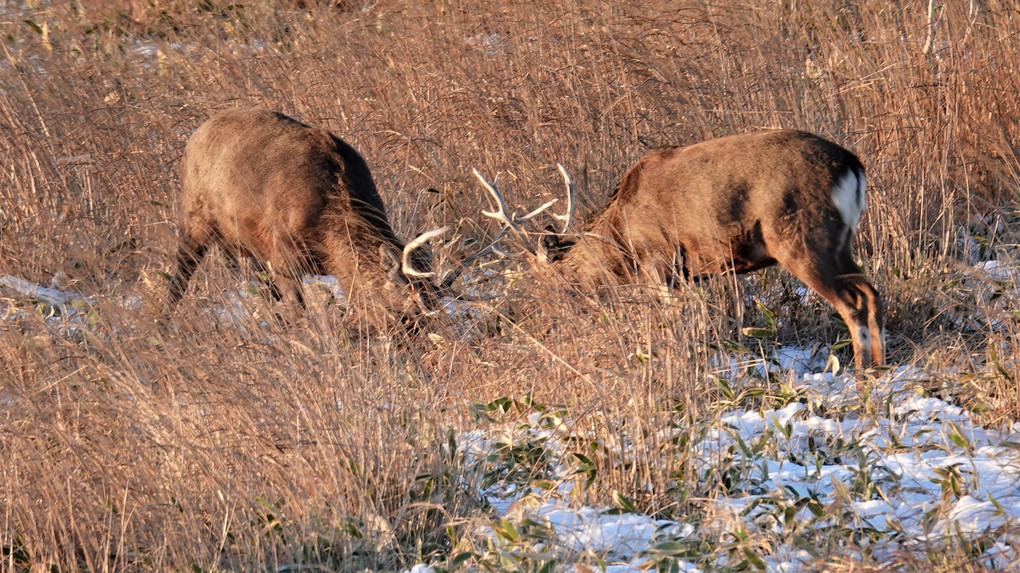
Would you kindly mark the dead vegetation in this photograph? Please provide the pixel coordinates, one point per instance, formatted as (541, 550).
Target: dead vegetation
(232, 442)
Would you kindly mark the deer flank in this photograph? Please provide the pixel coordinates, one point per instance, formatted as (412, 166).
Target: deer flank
(738, 203)
(297, 199)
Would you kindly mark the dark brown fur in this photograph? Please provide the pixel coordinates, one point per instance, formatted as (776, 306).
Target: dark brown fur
(295, 199)
(739, 204)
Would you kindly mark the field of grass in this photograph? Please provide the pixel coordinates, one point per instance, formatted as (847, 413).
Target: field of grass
(230, 441)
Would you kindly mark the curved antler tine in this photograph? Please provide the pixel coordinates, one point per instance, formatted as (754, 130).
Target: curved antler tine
(503, 213)
(569, 217)
(510, 222)
(529, 216)
(418, 241)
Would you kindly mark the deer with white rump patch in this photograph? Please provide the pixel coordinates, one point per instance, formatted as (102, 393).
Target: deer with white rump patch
(738, 203)
(297, 199)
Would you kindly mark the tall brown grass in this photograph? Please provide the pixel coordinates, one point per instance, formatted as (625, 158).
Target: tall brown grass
(240, 443)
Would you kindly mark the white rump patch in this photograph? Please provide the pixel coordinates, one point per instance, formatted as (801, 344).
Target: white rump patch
(848, 197)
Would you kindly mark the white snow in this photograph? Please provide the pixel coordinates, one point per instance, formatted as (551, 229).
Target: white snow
(918, 473)
(909, 456)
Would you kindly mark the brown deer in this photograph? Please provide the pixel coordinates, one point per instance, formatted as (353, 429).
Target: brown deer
(738, 203)
(297, 199)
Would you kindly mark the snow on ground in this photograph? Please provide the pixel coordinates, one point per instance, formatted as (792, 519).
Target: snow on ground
(915, 474)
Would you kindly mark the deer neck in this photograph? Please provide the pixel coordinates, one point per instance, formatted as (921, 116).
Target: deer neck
(349, 249)
(598, 256)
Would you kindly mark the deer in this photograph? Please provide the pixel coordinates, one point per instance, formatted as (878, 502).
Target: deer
(734, 204)
(297, 199)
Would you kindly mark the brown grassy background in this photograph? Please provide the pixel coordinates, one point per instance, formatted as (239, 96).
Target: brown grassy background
(227, 444)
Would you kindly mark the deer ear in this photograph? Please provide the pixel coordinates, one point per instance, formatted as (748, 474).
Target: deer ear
(389, 258)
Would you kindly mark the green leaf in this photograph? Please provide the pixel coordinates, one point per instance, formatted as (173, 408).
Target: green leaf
(770, 317)
(841, 344)
(999, 511)
(755, 560)
(507, 531)
(785, 429)
(732, 346)
(623, 503)
(816, 508)
(724, 387)
(957, 437)
(671, 548)
(501, 405)
(460, 559)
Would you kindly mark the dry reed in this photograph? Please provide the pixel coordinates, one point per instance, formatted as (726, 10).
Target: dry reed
(234, 442)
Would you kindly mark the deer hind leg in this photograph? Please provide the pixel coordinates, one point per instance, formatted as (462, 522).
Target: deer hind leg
(842, 283)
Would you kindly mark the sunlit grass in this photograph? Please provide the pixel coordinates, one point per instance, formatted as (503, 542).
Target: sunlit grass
(239, 442)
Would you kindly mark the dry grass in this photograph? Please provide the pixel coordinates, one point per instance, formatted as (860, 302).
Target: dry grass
(231, 444)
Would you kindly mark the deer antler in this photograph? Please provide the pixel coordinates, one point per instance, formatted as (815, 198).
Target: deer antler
(418, 241)
(569, 217)
(510, 223)
(513, 222)
(501, 214)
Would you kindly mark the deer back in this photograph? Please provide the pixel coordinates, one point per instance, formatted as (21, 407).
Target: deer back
(737, 203)
(724, 204)
(298, 198)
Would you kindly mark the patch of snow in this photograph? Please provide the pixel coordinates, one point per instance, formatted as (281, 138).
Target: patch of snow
(998, 271)
(491, 43)
(28, 289)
